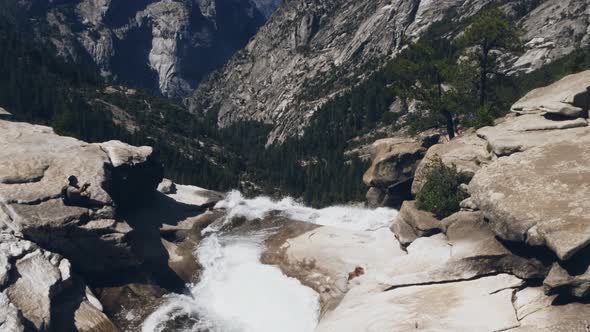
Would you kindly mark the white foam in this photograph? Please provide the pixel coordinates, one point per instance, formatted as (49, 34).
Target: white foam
(238, 293)
(352, 218)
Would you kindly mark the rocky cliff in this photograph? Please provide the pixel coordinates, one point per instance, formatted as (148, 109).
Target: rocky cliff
(515, 258)
(128, 244)
(165, 46)
(309, 51)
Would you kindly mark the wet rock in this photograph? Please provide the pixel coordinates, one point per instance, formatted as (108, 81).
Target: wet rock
(322, 257)
(484, 304)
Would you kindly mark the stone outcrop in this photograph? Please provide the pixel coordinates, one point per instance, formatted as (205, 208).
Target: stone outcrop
(279, 77)
(4, 114)
(462, 279)
(412, 223)
(126, 236)
(39, 291)
(568, 97)
(539, 196)
(394, 161)
(466, 152)
(173, 44)
(553, 113)
(551, 30)
(34, 167)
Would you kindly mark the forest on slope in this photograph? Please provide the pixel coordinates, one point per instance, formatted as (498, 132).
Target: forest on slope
(39, 87)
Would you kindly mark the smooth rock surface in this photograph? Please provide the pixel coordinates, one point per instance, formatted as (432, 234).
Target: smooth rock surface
(536, 313)
(539, 196)
(480, 305)
(520, 133)
(323, 257)
(420, 223)
(569, 97)
(34, 166)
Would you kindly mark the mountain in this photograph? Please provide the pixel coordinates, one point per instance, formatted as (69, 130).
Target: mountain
(310, 51)
(164, 46)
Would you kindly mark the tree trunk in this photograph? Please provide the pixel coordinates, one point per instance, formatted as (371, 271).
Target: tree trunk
(445, 112)
(450, 123)
(483, 76)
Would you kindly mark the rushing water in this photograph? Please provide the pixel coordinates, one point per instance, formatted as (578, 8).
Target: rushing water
(238, 293)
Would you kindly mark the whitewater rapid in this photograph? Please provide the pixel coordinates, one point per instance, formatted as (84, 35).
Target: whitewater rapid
(237, 293)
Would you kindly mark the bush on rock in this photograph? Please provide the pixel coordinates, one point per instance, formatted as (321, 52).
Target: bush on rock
(440, 195)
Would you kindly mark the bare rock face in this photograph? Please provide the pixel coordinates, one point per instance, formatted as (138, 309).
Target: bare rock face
(463, 279)
(539, 196)
(39, 289)
(4, 114)
(536, 313)
(568, 97)
(520, 133)
(277, 79)
(412, 223)
(552, 30)
(394, 162)
(34, 167)
(165, 46)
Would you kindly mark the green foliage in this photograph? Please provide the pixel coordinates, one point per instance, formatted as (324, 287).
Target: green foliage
(440, 194)
(490, 30)
(481, 118)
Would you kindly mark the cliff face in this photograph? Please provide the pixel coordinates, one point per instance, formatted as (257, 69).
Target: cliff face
(166, 46)
(276, 77)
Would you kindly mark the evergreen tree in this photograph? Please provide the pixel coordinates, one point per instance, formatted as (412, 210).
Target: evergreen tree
(491, 30)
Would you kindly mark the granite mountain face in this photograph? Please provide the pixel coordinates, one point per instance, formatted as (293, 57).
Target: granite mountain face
(163, 46)
(289, 68)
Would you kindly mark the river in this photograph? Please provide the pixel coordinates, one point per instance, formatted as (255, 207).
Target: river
(237, 293)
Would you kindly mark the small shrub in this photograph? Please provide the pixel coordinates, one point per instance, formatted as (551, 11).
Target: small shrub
(481, 118)
(440, 194)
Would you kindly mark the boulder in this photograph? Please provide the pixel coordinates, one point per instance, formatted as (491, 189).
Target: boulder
(466, 152)
(568, 97)
(196, 196)
(167, 187)
(473, 252)
(412, 223)
(34, 166)
(539, 196)
(10, 318)
(394, 161)
(520, 133)
(561, 281)
(40, 290)
(4, 114)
